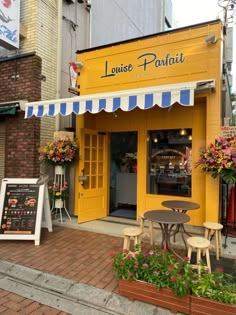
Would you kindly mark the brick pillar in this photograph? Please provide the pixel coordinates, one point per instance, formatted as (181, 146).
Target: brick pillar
(22, 135)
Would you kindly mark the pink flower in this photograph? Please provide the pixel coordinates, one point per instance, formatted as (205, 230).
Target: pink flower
(145, 254)
(136, 266)
(164, 249)
(131, 274)
(145, 265)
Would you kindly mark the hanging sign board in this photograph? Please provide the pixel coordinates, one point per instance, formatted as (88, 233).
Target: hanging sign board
(21, 209)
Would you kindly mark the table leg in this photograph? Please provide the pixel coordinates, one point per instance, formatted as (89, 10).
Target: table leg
(180, 228)
(166, 234)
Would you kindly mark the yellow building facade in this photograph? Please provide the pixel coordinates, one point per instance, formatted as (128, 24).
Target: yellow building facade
(154, 101)
(168, 60)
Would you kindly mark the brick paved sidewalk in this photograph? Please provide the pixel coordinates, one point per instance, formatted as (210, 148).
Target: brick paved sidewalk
(71, 253)
(12, 304)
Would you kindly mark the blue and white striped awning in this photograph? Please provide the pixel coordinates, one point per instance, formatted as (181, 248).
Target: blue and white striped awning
(143, 98)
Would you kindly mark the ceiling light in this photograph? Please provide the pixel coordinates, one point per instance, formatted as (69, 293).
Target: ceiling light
(183, 132)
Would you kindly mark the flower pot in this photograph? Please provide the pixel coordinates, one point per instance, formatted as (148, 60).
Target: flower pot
(58, 203)
(59, 170)
(146, 292)
(200, 306)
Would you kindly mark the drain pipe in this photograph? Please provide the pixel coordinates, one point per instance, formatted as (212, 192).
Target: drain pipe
(59, 46)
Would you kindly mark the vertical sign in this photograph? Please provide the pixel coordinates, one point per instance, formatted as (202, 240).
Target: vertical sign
(9, 23)
(21, 207)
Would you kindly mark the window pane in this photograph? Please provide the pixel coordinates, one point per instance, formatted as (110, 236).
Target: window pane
(170, 162)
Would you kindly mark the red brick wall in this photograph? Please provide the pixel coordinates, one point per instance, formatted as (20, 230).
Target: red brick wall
(22, 135)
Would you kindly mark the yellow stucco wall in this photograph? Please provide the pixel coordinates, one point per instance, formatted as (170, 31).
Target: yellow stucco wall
(190, 58)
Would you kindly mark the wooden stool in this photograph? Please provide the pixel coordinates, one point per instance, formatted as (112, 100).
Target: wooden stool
(148, 234)
(131, 232)
(202, 245)
(212, 229)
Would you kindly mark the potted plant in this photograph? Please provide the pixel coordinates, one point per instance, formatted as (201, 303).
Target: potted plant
(60, 152)
(214, 292)
(155, 277)
(220, 159)
(58, 192)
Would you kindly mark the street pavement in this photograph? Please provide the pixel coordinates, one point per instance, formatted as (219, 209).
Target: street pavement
(68, 273)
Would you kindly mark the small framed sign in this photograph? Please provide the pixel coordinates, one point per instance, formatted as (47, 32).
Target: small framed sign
(22, 204)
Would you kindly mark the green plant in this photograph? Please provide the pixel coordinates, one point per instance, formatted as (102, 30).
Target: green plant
(218, 286)
(60, 152)
(156, 266)
(58, 191)
(220, 159)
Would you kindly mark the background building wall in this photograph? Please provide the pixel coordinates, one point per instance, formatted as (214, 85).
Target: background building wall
(113, 21)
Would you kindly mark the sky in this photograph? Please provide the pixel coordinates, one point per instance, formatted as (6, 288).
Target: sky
(188, 12)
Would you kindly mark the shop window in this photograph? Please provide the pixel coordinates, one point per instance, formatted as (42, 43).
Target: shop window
(170, 162)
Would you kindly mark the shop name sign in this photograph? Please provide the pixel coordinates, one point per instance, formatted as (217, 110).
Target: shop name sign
(147, 61)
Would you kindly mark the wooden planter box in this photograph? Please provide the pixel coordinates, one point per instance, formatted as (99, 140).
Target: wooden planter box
(200, 306)
(142, 291)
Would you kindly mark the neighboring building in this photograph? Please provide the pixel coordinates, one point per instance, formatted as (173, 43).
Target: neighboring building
(115, 21)
(38, 69)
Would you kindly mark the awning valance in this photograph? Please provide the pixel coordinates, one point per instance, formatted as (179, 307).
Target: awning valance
(143, 98)
(11, 107)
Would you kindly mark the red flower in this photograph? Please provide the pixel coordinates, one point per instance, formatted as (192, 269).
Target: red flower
(172, 279)
(131, 274)
(125, 250)
(136, 266)
(187, 258)
(219, 269)
(112, 254)
(171, 267)
(128, 257)
(164, 249)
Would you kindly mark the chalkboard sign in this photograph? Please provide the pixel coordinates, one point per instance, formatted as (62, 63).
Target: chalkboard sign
(21, 208)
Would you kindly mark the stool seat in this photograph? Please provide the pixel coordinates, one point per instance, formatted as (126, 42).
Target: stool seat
(213, 225)
(198, 242)
(131, 232)
(211, 229)
(202, 245)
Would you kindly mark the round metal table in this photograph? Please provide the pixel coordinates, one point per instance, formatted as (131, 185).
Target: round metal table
(180, 206)
(167, 219)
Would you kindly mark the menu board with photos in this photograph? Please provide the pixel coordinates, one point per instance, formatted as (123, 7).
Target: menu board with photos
(21, 207)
